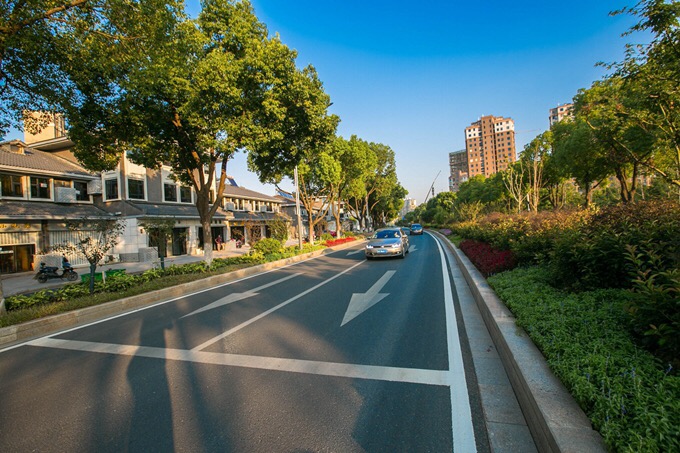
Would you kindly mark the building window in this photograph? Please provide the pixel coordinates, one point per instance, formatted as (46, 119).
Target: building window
(40, 188)
(10, 186)
(111, 189)
(185, 194)
(81, 191)
(136, 189)
(170, 192)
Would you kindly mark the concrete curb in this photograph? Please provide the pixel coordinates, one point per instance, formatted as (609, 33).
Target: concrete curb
(555, 420)
(63, 321)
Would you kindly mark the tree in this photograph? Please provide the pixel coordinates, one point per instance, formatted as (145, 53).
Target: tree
(204, 90)
(159, 230)
(580, 155)
(515, 182)
(379, 179)
(650, 73)
(95, 238)
(626, 145)
(319, 176)
(535, 155)
(40, 43)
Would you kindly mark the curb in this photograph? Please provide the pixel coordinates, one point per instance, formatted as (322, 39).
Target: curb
(63, 321)
(555, 420)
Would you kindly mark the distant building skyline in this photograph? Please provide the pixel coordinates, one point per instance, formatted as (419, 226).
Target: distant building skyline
(410, 204)
(458, 169)
(557, 114)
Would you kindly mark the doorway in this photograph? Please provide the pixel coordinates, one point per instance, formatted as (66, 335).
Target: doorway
(179, 241)
(16, 258)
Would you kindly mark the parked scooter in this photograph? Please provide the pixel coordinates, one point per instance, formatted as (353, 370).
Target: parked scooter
(48, 272)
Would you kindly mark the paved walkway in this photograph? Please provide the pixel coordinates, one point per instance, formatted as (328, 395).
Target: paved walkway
(25, 283)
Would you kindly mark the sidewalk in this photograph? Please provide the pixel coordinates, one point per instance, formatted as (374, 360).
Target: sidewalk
(24, 282)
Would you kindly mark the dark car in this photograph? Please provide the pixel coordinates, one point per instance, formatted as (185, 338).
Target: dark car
(387, 242)
(416, 228)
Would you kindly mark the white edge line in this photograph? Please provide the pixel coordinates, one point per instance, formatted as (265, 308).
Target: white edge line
(461, 416)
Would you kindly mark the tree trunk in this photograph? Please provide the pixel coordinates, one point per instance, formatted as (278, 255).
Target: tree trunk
(588, 194)
(311, 229)
(338, 226)
(93, 269)
(207, 241)
(3, 310)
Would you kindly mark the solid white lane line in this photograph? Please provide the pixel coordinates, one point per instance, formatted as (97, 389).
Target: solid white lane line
(271, 310)
(461, 416)
(345, 370)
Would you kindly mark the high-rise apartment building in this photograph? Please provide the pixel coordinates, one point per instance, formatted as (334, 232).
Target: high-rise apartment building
(560, 112)
(490, 145)
(458, 166)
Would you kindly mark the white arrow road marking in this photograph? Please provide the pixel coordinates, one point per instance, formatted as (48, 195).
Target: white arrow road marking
(354, 252)
(412, 249)
(361, 302)
(234, 297)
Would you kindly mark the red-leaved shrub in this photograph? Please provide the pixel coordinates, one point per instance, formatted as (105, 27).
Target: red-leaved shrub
(333, 242)
(487, 259)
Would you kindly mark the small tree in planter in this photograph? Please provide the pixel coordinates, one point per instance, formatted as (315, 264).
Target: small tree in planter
(95, 238)
(161, 229)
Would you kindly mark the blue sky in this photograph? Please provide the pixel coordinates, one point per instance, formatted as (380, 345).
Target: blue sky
(413, 75)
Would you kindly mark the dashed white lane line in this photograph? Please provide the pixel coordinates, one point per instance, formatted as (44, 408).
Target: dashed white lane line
(346, 370)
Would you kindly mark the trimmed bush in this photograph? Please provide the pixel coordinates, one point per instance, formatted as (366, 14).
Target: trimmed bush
(593, 255)
(267, 246)
(631, 398)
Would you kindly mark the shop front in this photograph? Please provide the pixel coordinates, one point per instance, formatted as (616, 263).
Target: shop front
(17, 246)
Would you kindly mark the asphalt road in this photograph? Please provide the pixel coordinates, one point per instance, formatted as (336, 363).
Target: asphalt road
(333, 354)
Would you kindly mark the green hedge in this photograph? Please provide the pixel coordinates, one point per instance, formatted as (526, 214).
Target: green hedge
(632, 399)
(122, 282)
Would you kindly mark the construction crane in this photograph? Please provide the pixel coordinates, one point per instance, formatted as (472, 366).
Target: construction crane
(431, 188)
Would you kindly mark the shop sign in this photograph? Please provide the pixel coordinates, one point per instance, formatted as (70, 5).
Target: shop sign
(15, 226)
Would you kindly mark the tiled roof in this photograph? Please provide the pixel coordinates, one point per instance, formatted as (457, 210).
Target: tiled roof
(173, 210)
(259, 216)
(32, 159)
(242, 192)
(41, 210)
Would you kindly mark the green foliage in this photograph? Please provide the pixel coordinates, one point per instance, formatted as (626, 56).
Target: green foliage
(278, 226)
(655, 309)
(326, 237)
(267, 246)
(593, 255)
(531, 236)
(631, 399)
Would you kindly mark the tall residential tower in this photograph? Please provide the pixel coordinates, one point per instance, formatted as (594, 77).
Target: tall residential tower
(490, 145)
